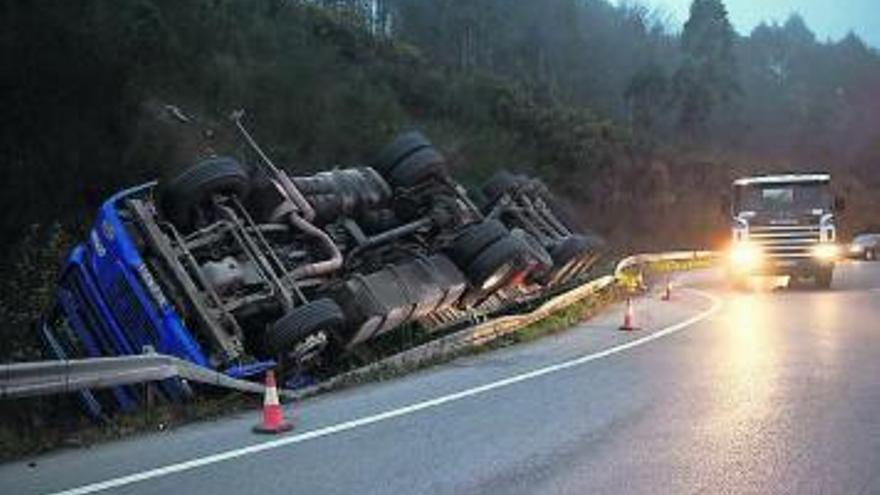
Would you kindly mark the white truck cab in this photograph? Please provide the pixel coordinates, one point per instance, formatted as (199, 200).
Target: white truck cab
(784, 225)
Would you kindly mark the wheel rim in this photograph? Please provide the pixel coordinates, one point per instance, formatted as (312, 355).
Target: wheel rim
(311, 347)
(497, 277)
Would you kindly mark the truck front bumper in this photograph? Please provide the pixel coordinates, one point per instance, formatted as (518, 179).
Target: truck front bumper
(800, 267)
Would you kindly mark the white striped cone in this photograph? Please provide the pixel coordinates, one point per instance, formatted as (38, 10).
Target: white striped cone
(629, 319)
(273, 415)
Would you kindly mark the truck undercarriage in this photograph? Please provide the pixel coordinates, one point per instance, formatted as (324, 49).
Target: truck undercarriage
(238, 268)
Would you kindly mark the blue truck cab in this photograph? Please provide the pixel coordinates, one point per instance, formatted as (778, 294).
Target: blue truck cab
(109, 303)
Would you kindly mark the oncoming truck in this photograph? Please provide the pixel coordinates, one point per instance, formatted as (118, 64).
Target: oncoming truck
(784, 225)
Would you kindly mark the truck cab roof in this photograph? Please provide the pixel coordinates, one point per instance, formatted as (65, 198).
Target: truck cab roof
(782, 179)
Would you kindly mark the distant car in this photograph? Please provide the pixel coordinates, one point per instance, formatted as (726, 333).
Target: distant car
(864, 246)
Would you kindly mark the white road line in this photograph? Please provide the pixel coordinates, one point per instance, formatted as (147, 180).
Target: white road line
(403, 411)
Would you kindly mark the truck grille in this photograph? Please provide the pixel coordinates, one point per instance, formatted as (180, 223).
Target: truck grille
(95, 329)
(786, 241)
(130, 314)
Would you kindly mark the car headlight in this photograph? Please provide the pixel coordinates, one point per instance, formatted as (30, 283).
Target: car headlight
(745, 255)
(856, 249)
(826, 252)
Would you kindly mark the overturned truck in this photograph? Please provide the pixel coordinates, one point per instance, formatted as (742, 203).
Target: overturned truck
(239, 268)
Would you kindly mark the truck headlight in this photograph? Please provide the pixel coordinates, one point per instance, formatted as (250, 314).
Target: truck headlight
(745, 255)
(826, 252)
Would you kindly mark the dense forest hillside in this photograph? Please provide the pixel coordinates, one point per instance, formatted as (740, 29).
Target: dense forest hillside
(639, 127)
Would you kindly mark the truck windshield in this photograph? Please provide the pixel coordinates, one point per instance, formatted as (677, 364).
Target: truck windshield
(794, 198)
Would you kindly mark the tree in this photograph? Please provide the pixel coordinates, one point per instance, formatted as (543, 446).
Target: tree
(707, 78)
(646, 94)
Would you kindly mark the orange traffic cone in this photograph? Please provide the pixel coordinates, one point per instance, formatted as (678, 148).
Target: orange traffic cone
(629, 320)
(667, 292)
(273, 416)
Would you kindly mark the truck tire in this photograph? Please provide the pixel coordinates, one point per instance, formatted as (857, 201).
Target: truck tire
(572, 247)
(401, 147)
(417, 168)
(568, 257)
(320, 315)
(594, 246)
(541, 260)
(473, 238)
(184, 194)
(823, 278)
(503, 182)
(496, 264)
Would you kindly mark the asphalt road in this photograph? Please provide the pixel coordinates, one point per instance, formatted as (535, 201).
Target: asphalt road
(722, 392)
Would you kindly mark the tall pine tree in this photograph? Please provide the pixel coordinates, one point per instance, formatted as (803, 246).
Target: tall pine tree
(706, 79)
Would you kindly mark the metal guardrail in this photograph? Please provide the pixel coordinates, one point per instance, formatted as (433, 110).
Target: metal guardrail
(641, 259)
(50, 377)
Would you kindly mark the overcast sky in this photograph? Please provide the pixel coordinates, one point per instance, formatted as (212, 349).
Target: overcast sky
(827, 18)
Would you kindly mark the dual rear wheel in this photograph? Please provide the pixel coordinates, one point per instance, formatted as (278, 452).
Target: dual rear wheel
(410, 160)
(489, 255)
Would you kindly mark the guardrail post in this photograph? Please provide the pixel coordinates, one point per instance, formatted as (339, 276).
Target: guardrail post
(149, 399)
